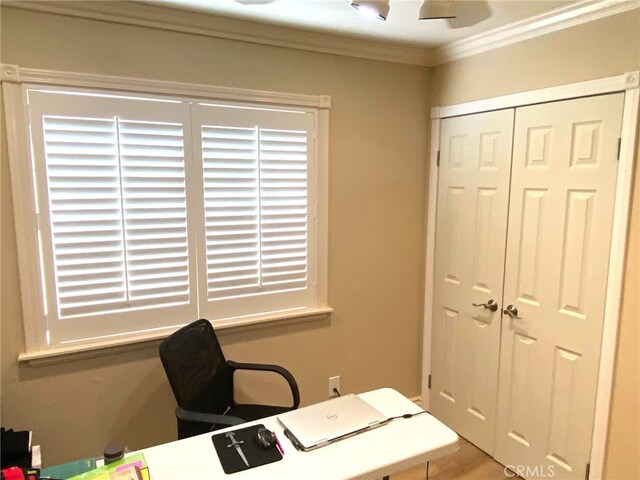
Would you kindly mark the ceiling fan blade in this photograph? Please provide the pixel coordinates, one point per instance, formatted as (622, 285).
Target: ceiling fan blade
(470, 13)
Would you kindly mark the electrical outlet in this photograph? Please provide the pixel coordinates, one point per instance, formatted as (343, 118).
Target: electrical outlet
(334, 382)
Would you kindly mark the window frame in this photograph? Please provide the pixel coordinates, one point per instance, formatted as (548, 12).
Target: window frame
(15, 83)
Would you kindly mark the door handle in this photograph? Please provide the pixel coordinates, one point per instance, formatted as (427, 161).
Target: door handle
(512, 311)
(490, 305)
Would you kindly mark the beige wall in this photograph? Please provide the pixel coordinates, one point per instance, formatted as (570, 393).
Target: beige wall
(378, 148)
(599, 49)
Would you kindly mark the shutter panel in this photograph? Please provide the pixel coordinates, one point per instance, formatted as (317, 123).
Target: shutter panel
(255, 195)
(155, 212)
(116, 253)
(283, 202)
(118, 217)
(85, 214)
(255, 205)
(230, 169)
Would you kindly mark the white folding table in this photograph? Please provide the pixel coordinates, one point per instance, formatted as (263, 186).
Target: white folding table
(394, 447)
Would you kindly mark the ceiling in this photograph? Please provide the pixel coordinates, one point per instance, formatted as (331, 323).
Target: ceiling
(402, 25)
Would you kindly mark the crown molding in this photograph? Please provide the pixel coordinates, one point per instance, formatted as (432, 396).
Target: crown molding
(197, 23)
(548, 22)
(185, 21)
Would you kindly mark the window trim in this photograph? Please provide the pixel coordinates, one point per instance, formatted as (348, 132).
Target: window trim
(15, 82)
(128, 342)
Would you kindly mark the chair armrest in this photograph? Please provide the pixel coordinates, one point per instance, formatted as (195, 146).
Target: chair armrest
(211, 418)
(295, 392)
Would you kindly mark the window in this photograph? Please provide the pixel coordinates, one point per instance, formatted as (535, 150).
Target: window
(154, 211)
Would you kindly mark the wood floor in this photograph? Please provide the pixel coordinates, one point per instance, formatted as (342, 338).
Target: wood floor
(468, 463)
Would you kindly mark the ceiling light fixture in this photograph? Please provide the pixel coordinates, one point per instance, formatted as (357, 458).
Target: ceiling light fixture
(373, 9)
(437, 9)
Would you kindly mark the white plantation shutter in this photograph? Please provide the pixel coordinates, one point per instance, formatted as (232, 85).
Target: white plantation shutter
(256, 210)
(152, 212)
(113, 214)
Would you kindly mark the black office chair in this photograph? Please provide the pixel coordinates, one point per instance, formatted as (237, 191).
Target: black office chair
(202, 382)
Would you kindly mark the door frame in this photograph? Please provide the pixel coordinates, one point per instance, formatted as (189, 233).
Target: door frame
(627, 83)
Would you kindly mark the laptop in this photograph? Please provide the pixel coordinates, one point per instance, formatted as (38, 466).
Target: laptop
(318, 425)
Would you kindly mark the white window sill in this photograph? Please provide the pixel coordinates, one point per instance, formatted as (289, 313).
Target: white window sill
(138, 340)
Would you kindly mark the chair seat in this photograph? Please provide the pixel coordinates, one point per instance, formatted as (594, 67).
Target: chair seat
(255, 412)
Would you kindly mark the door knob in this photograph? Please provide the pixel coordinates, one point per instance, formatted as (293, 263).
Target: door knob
(490, 305)
(512, 311)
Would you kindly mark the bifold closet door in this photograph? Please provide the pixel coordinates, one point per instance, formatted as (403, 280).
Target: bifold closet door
(473, 191)
(560, 218)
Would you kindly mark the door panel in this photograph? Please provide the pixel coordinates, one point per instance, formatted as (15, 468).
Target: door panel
(529, 257)
(473, 190)
(560, 217)
(520, 423)
(453, 243)
(449, 329)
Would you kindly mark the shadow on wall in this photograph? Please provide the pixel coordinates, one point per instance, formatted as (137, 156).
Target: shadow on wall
(138, 419)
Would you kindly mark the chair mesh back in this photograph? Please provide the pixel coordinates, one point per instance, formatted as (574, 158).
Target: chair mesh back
(196, 368)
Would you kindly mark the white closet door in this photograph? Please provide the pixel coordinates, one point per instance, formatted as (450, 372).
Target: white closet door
(561, 209)
(473, 191)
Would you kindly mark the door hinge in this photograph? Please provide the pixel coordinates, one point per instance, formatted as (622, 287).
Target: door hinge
(619, 146)
(587, 471)
(438, 159)
(429, 382)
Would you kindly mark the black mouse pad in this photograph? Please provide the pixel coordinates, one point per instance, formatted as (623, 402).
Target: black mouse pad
(256, 455)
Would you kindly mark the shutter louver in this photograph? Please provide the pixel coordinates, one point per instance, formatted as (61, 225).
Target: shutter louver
(155, 212)
(283, 200)
(230, 169)
(85, 214)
